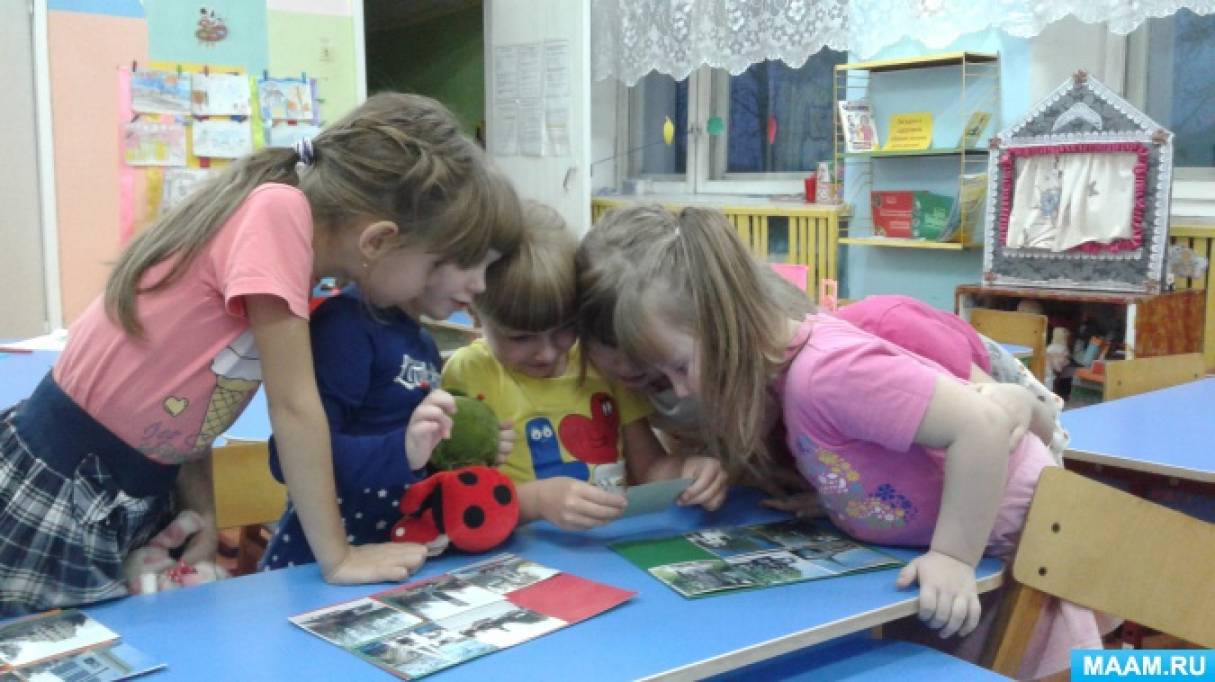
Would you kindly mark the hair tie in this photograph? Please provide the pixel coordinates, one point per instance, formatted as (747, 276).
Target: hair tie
(303, 149)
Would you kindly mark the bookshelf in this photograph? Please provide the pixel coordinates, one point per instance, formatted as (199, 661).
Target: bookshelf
(951, 86)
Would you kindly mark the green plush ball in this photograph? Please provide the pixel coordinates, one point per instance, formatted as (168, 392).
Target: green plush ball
(474, 437)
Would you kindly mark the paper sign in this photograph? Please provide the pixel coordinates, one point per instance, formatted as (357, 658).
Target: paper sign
(909, 132)
(648, 498)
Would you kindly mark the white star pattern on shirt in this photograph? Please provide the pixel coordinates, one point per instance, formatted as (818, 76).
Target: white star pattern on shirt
(339, 501)
(382, 493)
(366, 491)
(286, 537)
(358, 515)
(380, 525)
(349, 538)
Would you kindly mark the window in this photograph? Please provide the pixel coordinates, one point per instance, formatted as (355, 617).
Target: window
(1171, 75)
(761, 131)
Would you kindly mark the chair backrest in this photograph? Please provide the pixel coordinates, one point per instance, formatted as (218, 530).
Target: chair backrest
(1130, 377)
(795, 274)
(1110, 551)
(1023, 329)
(246, 494)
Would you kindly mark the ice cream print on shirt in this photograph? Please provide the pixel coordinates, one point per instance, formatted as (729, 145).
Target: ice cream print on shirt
(238, 373)
(417, 374)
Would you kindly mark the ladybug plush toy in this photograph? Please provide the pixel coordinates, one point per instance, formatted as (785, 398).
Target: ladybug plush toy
(473, 508)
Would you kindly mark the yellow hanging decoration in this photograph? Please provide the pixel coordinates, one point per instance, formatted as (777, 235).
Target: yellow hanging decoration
(668, 131)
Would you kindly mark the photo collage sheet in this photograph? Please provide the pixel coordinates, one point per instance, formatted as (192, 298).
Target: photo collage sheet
(67, 646)
(719, 560)
(424, 627)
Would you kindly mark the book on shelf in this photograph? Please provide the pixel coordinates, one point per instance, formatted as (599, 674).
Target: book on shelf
(966, 216)
(69, 646)
(975, 125)
(856, 122)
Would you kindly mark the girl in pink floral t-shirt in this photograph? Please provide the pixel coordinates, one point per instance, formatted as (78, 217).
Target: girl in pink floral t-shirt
(201, 309)
(899, 449)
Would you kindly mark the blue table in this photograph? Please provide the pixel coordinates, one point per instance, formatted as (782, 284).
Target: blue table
(238, 629)
(1164, 433)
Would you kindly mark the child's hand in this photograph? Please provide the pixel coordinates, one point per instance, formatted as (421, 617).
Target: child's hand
(429, 424)
(388, 561)
(804, 505)
(577, 505)
(949, 597)
(708, 488)
(506, 440)
(1015, 400)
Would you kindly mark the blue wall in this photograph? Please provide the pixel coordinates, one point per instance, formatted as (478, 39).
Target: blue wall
(925, 274)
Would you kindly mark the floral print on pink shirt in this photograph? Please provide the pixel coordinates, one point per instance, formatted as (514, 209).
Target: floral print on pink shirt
(840, 488)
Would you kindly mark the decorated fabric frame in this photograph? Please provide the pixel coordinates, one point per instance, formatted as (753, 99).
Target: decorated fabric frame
(1079, 195)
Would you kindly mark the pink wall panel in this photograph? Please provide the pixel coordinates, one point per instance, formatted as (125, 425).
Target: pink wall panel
(86, 51)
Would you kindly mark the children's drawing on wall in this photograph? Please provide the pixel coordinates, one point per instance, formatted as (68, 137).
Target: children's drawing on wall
(285, 99)
(211, 27)
(222, 138)
(160, 92)
(220, 94)
(1061, 201)
(283, 134)
(179, 183)
(154, 143)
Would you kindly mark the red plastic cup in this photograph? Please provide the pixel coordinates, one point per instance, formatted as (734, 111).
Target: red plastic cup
(811, 188)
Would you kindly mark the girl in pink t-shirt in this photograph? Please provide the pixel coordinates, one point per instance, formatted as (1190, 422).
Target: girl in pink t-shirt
(203, 307)
(900, 450)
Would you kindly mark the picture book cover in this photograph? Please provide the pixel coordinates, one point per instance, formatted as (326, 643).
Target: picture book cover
(856, 122)
(426, 626)
(67, 645)
(719, 560)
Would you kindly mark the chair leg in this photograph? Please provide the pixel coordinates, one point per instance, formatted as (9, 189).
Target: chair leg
(249, 550)
(1013, 628)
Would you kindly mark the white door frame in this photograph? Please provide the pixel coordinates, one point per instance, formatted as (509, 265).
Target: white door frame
(46, 165)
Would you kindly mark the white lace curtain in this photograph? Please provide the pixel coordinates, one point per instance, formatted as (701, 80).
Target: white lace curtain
(630, 38)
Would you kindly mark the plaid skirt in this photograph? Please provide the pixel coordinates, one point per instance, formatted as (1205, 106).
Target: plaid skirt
(66, 522)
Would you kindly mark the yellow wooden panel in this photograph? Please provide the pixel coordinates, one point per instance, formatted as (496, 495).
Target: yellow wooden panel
(1111, 551)
(245, 492)
(1131, 377)
(1023, 329)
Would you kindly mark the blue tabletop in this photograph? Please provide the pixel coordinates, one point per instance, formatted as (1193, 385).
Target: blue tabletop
(238, 629)
(1167, 432)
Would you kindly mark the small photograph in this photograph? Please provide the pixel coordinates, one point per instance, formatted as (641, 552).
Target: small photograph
(356, 622)
(502, 624)
(790, 533)
(54, 634)
(117, 662)
(774, 568)
(505, 574)
(843, 556)
(450, 643)
(726, 542)
(440, 598)
(400, 656)
(693, 578)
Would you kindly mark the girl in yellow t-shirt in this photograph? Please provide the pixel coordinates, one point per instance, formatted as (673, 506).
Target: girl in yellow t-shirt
(576, 432)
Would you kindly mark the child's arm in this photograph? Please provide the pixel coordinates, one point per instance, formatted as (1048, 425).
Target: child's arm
(196, 492)
(1026, 411)
(303, 442)
(568, 503)
(648, 461)
(973, 431)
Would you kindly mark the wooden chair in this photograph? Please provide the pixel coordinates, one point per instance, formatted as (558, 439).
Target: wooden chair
(1023, 329)
(246, 497)
(1110, 551)
(1130, 377)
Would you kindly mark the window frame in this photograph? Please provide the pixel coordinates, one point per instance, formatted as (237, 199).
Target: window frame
(704, 157)
(1193, 193)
